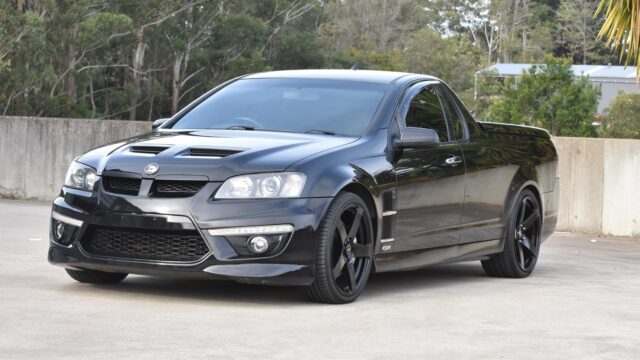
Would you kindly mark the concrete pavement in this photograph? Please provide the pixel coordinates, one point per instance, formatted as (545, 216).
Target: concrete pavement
(581, 302)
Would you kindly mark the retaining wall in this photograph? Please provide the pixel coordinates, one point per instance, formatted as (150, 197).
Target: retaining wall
(599, 178)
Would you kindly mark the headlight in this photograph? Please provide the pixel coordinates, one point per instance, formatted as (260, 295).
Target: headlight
(81, 177)
(278, 185)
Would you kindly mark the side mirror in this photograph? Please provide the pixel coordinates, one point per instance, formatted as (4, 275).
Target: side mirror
(156, 124)
(413, 137)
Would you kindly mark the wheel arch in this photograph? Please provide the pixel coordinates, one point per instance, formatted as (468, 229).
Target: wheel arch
(364, 193)
(517, 187)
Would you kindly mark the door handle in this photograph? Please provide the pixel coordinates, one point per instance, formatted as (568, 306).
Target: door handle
(453, 160)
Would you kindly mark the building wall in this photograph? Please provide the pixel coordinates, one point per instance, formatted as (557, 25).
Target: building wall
(610, 89)
(599, 178)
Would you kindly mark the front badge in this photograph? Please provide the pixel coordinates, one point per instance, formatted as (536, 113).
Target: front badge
(151, 169)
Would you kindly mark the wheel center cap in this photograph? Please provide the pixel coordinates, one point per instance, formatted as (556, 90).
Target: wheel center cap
(348, 248)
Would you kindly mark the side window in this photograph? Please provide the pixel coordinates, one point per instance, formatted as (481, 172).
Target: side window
(425, 112)
(457, 129)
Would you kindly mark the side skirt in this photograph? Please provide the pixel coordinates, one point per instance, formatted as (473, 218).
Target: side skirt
(411, 260)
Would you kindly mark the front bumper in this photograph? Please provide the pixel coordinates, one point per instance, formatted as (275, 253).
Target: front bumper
(293, 263)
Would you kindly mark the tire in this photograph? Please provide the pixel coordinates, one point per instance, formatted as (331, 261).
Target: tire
(96, 277)
(522, 240)
(344, 253)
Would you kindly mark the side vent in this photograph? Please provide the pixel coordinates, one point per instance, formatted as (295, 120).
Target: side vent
(145, 149)
(206, 152)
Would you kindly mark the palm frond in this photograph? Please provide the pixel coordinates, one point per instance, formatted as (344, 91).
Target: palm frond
(621, 29)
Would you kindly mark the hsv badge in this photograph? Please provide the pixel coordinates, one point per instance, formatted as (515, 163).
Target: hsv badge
(151, 169)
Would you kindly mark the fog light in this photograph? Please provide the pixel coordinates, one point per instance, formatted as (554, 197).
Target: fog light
(59, 231)
(258, 244)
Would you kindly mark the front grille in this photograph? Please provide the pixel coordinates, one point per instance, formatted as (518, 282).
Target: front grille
(183, 246)
(172, 188)
(118, 185)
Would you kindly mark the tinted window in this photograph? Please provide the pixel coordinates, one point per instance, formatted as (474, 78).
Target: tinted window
(425, 112)
(292, 105)
(457, 130)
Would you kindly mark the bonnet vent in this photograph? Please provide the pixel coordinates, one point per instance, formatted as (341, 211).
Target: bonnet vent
(205, 152)
(144, 149)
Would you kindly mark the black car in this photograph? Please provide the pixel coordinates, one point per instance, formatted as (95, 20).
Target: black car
(313, 179)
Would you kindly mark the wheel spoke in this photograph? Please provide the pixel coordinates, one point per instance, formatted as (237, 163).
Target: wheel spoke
(531, 219)
(337, 270)
(523, 210)
(356, 223)
(342, 232)
(526, 247)
(521, 253)
(352, 276)
(362, 251)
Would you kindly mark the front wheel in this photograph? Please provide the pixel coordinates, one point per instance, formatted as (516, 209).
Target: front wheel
(522, 241)
(344, 251)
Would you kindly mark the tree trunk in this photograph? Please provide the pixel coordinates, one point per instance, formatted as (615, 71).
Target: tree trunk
(584, 41)
(70, 80)
(19, 6)
(175, 83)
(137, 62)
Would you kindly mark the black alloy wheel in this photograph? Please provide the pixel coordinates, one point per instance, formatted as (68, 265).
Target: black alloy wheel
(527, 234)
(522, 242)
(344, 251)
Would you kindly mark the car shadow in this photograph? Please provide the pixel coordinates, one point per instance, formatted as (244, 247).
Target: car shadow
(433, 277)
(379, 286)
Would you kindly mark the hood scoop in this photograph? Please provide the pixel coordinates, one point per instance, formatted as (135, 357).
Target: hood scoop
(148, 149)
(210, 152)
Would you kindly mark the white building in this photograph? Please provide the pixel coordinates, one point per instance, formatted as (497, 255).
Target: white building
(612, 79)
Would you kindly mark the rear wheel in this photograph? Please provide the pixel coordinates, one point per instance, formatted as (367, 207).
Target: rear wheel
(344, 251)
(522, 241)
(96, 277)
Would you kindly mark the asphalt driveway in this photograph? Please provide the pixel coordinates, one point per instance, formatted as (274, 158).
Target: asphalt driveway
(583, 301)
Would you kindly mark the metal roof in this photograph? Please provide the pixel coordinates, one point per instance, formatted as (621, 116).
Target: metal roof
(593, 71)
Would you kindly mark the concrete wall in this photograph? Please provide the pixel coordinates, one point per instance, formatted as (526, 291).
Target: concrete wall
(599, 178)
(599, 186)
(36, 152)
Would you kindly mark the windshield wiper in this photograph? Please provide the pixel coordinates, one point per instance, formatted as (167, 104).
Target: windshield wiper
(241, 127)
(326, 132)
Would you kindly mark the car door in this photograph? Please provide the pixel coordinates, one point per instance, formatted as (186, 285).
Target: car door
(430, 181)
(487, 179)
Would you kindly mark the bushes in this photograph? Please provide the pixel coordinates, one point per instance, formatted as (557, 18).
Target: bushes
(623, 117)
(548, 96)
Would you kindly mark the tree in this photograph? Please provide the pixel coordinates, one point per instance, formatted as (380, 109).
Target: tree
(621, 28)
(451, 59)
(575, 31)
(549, 96)
(622, 119)
(379, 25)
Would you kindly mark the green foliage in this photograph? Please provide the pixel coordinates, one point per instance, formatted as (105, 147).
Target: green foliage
(623, 117)
(123, 59)
(548, 96)
(451, 59)
(300, 50)
(367, 59)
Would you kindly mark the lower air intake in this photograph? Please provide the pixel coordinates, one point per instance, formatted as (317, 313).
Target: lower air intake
(180, 246)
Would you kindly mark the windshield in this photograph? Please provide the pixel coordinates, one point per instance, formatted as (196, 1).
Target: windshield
(292, 105)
